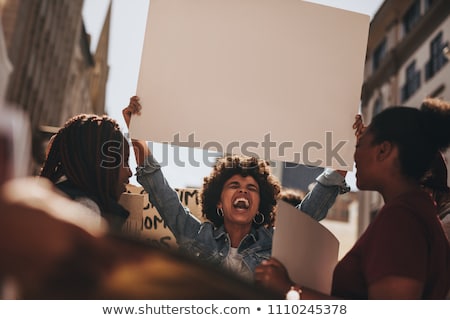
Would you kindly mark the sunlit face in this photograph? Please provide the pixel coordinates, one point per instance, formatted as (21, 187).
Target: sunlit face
(124, 170)
(239, 200)
(365, 155)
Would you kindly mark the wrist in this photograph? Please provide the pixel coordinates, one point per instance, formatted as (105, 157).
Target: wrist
(141, 151)
(294, 292)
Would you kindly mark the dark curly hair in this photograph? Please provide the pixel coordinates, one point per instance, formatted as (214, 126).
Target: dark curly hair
(225, 168)
(292, 196)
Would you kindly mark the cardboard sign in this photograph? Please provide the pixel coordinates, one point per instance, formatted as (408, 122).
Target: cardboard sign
(145, 223)
(279, 79)
(307, 249)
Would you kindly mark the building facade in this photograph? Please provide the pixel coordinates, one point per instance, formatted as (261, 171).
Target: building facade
(5, 65)
(407, 61)
(55, 75)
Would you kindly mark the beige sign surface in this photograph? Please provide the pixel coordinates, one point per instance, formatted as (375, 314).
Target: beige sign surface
(307, 249)
(280, 79)
(145, 222)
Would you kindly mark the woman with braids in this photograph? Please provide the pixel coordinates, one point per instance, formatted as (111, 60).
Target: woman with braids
(404, 253)
(88, 160)
(238, 201)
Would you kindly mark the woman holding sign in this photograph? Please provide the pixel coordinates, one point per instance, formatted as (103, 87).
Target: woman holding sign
(238, 199)
(404, 253)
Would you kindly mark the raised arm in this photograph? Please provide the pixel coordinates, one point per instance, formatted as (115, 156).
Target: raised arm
(141, 150)
(329, 185)
(178, 218)
(319, 200)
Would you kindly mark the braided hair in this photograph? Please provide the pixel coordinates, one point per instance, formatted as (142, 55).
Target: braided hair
(88, 151)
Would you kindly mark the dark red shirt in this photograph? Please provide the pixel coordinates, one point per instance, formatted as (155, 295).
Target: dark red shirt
(405, 239)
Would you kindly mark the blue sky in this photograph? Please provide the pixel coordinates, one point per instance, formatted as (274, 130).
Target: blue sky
(126, 39)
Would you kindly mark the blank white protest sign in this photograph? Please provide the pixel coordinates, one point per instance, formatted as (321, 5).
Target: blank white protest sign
(307, 249)
(280, 79)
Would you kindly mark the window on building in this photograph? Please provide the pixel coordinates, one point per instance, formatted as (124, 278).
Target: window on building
(378, 55)
(411, 16)
(412, 83)
(437, 57)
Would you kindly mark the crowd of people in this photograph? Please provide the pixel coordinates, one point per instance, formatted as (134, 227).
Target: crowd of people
(80, 252)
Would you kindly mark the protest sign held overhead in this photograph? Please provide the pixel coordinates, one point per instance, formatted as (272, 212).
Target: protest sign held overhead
(253, 77)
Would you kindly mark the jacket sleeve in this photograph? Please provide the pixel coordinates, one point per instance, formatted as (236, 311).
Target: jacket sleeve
(320, 199)
(178, 218)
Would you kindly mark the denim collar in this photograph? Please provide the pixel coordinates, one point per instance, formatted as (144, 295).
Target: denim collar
(254, 233)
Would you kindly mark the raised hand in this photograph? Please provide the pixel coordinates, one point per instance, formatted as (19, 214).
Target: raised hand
(358, 125)
(134, 107)
(141, 150)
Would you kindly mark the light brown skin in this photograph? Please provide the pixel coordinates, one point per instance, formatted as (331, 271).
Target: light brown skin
(36, 236)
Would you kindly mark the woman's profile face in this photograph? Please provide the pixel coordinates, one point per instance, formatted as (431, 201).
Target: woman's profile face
(365, 153)
(124, 170)
(239, 200)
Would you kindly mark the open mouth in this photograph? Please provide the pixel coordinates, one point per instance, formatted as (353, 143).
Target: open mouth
(241, 203)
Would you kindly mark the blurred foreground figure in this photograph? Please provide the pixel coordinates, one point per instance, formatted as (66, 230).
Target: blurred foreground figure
(49, 249)
(49, 253)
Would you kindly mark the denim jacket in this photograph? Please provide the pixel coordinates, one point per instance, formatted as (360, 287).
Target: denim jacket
(210, 244)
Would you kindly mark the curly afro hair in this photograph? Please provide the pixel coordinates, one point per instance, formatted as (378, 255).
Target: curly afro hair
(229, 166)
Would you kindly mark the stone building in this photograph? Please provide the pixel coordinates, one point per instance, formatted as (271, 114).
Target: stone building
(55, 75)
